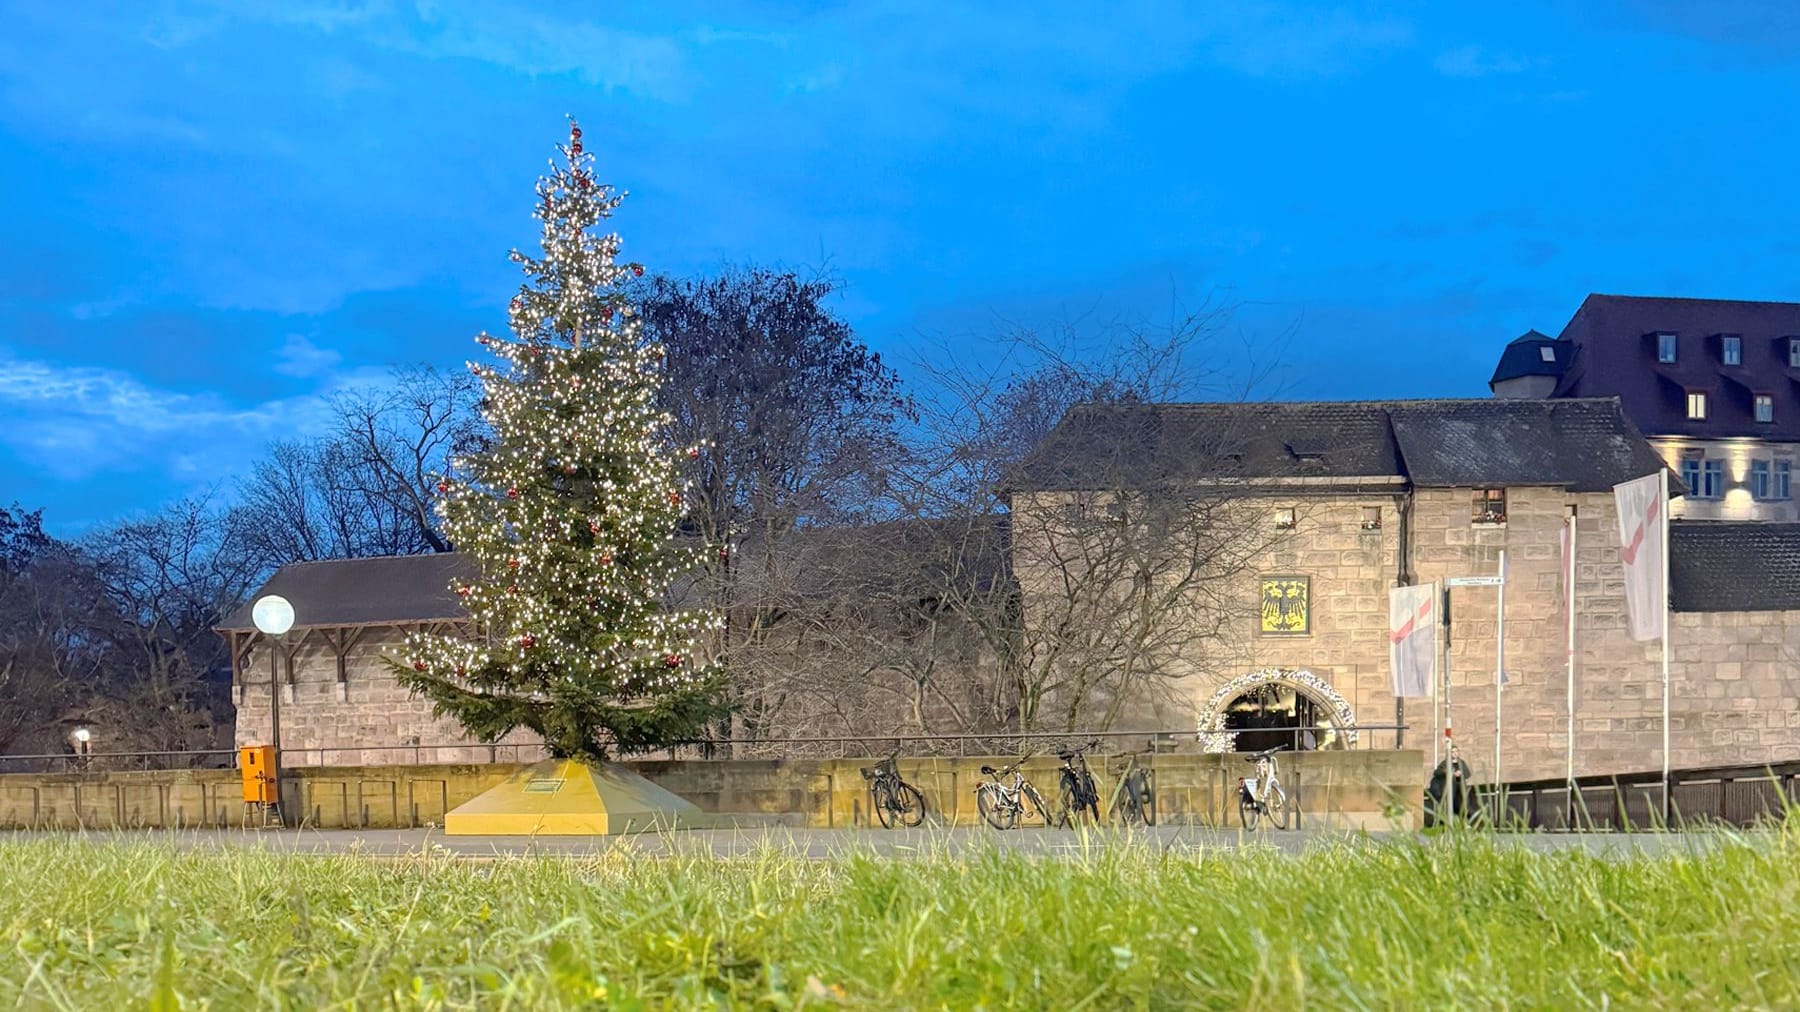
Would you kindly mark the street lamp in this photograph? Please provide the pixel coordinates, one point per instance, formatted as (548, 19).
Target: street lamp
(82, 739)
(274, 616)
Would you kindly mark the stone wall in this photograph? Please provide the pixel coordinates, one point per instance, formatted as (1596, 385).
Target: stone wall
(1361, 789)
(1735, 676)
(367, 717)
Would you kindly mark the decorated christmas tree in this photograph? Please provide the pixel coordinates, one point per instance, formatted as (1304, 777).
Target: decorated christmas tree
(570, 513)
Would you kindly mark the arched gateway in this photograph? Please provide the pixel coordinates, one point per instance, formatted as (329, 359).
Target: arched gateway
(1217, 733)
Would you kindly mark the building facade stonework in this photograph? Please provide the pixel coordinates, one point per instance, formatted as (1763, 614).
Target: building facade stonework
(1734, 697)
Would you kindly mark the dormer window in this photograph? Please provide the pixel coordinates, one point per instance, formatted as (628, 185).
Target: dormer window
(1696, 405)
(1731, 349)
(1765, 407)
(1665, 347)
(1547, 353)
(1794, 353)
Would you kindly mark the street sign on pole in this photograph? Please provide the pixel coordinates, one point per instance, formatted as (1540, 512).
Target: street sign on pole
(1476, 581)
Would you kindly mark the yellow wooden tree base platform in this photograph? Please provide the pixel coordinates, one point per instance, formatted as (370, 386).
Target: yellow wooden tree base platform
(564, 797)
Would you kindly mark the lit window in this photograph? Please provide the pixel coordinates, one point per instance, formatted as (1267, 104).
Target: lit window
(1781, 487)
(1489, 506)
(1371, 518)
(1665, 347)
(1697, 405)
(1690, 475)
(1285, 519)
(1547, 353)
(1712, 479)
(1732, 350)
(1765, 408)
(1794, 353)
(1759, 479)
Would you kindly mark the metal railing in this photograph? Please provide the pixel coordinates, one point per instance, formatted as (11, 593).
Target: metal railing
(1624, 802)
(1184, 740)
(99, 762)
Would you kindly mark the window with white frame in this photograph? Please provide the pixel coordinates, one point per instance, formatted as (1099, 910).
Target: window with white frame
(1765, 408)
(1760, 477)
(1697, 405)
(1371, 518)
(1285, 519)
(1731, 350)
(1780, 487)
(1665, 347)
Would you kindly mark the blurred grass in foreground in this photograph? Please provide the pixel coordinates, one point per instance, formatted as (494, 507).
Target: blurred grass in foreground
(1375, 924)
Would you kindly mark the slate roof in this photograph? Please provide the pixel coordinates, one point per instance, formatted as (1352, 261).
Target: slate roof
(1585, 445)
(1747, 566)
(393, 589)
(1613, 341)
(1524, 356)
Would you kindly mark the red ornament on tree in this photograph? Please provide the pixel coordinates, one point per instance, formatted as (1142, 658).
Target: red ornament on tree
(606, 558)
(528, 641)
(724, 553)
(637, 269)
(673, 660)
(574, 141)
(512, 493)
(606, 312)
(418, 665)
(512, 563)
(674, 498)
(693, 453)
(568, 468)
(463, 591)
(593, 528)
(443, 488)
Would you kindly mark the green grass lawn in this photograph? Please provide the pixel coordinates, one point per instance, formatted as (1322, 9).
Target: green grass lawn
(1373, 924)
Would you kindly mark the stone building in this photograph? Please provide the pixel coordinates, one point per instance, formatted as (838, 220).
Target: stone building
(1713, 383)
(1347, 500)
(339, 703)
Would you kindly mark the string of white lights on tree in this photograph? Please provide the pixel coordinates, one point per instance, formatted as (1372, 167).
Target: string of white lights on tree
(571, 512)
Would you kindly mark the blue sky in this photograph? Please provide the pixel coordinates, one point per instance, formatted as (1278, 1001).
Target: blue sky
(217, 215)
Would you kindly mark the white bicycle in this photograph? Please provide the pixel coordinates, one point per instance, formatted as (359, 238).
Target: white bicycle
(1260, 795)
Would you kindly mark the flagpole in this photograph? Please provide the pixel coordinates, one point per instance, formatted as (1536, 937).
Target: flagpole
(1569, 594)
(1499, 676)
(1662, 486)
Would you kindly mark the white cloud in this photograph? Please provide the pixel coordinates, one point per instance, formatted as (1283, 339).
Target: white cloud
(301, 358)
(1474, 61)
(79, 421)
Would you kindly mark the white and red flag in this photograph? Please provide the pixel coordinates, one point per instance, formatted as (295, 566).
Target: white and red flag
(1413, 639)
(1643, 505)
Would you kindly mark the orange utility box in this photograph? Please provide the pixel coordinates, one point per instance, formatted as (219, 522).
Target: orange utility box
(257, 764)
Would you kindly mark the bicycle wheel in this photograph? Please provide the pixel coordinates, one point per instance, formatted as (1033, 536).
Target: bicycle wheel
(1248, 813)
(1090, 795)
(1277, 801)
(1146, 796)
(881, 799)
(1037, 804)
(1073, 804)
(909, 804)
(994, 809)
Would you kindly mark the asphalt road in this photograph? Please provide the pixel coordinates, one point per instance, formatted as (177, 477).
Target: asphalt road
(829, 843)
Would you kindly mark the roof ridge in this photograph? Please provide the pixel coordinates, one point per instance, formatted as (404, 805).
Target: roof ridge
(1379, 403)
(1692, 298)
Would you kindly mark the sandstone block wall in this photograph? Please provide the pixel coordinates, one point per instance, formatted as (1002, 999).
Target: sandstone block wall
(367, 718)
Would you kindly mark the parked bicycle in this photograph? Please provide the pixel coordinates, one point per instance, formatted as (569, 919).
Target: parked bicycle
(1077, 792)
(1134, 797)
(1260, 795)
(1001, 803)
(894, 801)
